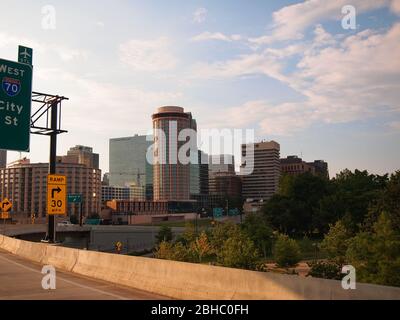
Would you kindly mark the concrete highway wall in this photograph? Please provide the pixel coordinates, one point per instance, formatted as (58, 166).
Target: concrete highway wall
(189, 281)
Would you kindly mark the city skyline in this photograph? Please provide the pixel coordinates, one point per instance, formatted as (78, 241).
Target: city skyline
(247, 68)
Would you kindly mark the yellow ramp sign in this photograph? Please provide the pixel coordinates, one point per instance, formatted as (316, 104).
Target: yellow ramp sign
(56, 194)
(5, 205)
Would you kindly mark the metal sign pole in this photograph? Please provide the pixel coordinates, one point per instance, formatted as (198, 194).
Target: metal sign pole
(51, 232)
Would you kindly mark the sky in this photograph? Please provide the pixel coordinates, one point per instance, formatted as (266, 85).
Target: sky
(287, 69)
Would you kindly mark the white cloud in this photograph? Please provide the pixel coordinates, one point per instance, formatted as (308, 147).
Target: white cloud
(290, 21)
(205, 36)
(106, 108)
(355, 78)
(148, 55)
(395, 6)
(65, 53)
(199, 16)
(395, 125)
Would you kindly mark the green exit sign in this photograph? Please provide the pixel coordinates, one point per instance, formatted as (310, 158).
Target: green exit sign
(74, 198)
(15, 105)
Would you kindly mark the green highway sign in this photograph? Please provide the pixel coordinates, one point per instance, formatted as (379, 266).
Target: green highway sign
(25, 55)
(15, 105)
(74, 198)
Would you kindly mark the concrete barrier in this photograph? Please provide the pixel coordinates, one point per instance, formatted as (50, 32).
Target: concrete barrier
(31, 250)
(190, 281)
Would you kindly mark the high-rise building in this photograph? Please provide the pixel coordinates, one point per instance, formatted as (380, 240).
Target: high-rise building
(3, 158)
(83, 155)
(129, 165)
(171, 176)
(25, 184)
(262, 182)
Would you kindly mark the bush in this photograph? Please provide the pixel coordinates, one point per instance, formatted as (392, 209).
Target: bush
(164, 234)
(325, 270)
(169, 251)
(286, 252)
(238, 251)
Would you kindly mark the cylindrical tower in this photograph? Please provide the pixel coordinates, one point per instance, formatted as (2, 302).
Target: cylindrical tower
(171, 178)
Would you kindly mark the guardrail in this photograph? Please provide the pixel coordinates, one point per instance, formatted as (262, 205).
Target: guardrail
(189, 281)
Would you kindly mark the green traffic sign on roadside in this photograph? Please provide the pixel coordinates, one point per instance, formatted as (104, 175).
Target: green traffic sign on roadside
(15, 105)
(74, 198)
(25, 55)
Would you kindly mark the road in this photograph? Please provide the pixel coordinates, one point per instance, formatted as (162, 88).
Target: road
(22, 280)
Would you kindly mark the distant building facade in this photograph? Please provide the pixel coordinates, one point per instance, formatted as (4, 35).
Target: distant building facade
(293, 165)
(131, 193)
(25, 184)
(82, 155)
(228, 185)
(128, 163)
(219, 165)
(3, 158)
(263, 181)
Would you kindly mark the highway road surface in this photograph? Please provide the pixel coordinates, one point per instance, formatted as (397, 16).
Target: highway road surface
(22, 280)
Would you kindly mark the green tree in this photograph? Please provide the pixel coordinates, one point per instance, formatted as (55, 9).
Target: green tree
(336, 242)
(376, 254)
(294, 209)
(164, 234)
(238, 251)
(170, 251)
(286, 252)
(201, 247)
(258, 230)
(221, 232)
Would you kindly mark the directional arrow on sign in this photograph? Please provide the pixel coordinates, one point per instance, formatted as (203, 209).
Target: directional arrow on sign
(58, 190)
(6, 205)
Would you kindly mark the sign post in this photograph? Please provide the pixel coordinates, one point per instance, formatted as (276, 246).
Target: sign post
(15, 105)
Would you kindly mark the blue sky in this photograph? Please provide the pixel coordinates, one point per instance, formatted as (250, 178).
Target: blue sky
(285, 68)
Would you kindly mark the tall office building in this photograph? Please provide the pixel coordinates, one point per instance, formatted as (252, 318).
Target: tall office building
(3, 158)
(25, 184)
(129, 165)
(83, 155)
(262, 182)
(171, 176)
